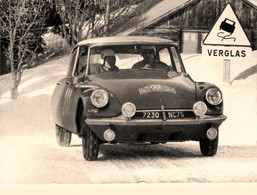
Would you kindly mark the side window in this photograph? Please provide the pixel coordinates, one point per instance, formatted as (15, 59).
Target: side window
(81, 62)
(72, 61)
(176, 59)
(165, 56)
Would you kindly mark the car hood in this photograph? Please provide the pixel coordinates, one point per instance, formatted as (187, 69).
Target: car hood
(149, 89)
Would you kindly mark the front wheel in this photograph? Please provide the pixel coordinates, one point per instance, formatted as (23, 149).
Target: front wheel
(209, 147)
(63, 136)
(90, 144)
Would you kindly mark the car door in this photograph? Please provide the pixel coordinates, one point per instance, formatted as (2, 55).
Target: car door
(72, 91)
(61, 94)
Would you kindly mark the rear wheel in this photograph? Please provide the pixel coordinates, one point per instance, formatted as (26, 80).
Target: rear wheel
(209, 147)
(63, 136)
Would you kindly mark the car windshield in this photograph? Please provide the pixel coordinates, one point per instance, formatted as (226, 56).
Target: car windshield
(120, 57)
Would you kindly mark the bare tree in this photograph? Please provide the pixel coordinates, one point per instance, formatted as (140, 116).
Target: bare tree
(83, 19)
(76, 16)
(17, 20)
(107, 19)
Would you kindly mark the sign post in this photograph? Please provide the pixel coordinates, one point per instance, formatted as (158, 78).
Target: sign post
(227, 40)
(226, 70)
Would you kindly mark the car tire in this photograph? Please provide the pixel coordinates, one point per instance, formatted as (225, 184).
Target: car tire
(63, 136)
(90, 145)
(209, 147)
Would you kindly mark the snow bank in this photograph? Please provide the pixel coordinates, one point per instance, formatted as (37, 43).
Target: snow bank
(31, 115)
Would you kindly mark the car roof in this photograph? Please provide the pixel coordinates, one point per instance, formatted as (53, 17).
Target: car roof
(126, 40)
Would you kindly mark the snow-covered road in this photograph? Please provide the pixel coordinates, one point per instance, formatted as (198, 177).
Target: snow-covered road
(38, 160)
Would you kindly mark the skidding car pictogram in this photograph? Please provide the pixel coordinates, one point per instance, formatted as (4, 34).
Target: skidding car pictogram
(228, 25)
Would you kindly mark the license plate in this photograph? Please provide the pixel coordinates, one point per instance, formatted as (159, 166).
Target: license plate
(169, 115)
(175, 114)
(152, 115)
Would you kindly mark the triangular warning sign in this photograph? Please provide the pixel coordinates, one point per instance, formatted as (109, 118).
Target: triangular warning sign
(227, 31)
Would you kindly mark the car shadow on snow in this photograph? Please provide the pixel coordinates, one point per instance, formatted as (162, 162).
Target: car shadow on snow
(132, 151)
(75, 145)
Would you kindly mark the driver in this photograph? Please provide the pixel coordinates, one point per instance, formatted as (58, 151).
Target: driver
(109, 62)
(149, 61)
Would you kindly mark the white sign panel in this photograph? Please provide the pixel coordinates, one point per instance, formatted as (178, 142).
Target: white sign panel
(226, 52)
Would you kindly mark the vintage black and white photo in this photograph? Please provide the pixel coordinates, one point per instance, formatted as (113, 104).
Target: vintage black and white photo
(128, 92)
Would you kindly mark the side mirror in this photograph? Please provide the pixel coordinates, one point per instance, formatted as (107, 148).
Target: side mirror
(78, 79)
(85, 78)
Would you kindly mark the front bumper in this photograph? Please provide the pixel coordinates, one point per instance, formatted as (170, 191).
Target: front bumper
(124, 122)
(155, 129)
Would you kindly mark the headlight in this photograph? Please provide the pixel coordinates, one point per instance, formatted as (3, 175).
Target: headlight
(128, 109)
(214, 96)
(99, 98)
(200, 108)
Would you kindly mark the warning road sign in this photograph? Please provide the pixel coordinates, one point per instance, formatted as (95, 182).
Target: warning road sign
(227, 31)
(227, 40)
